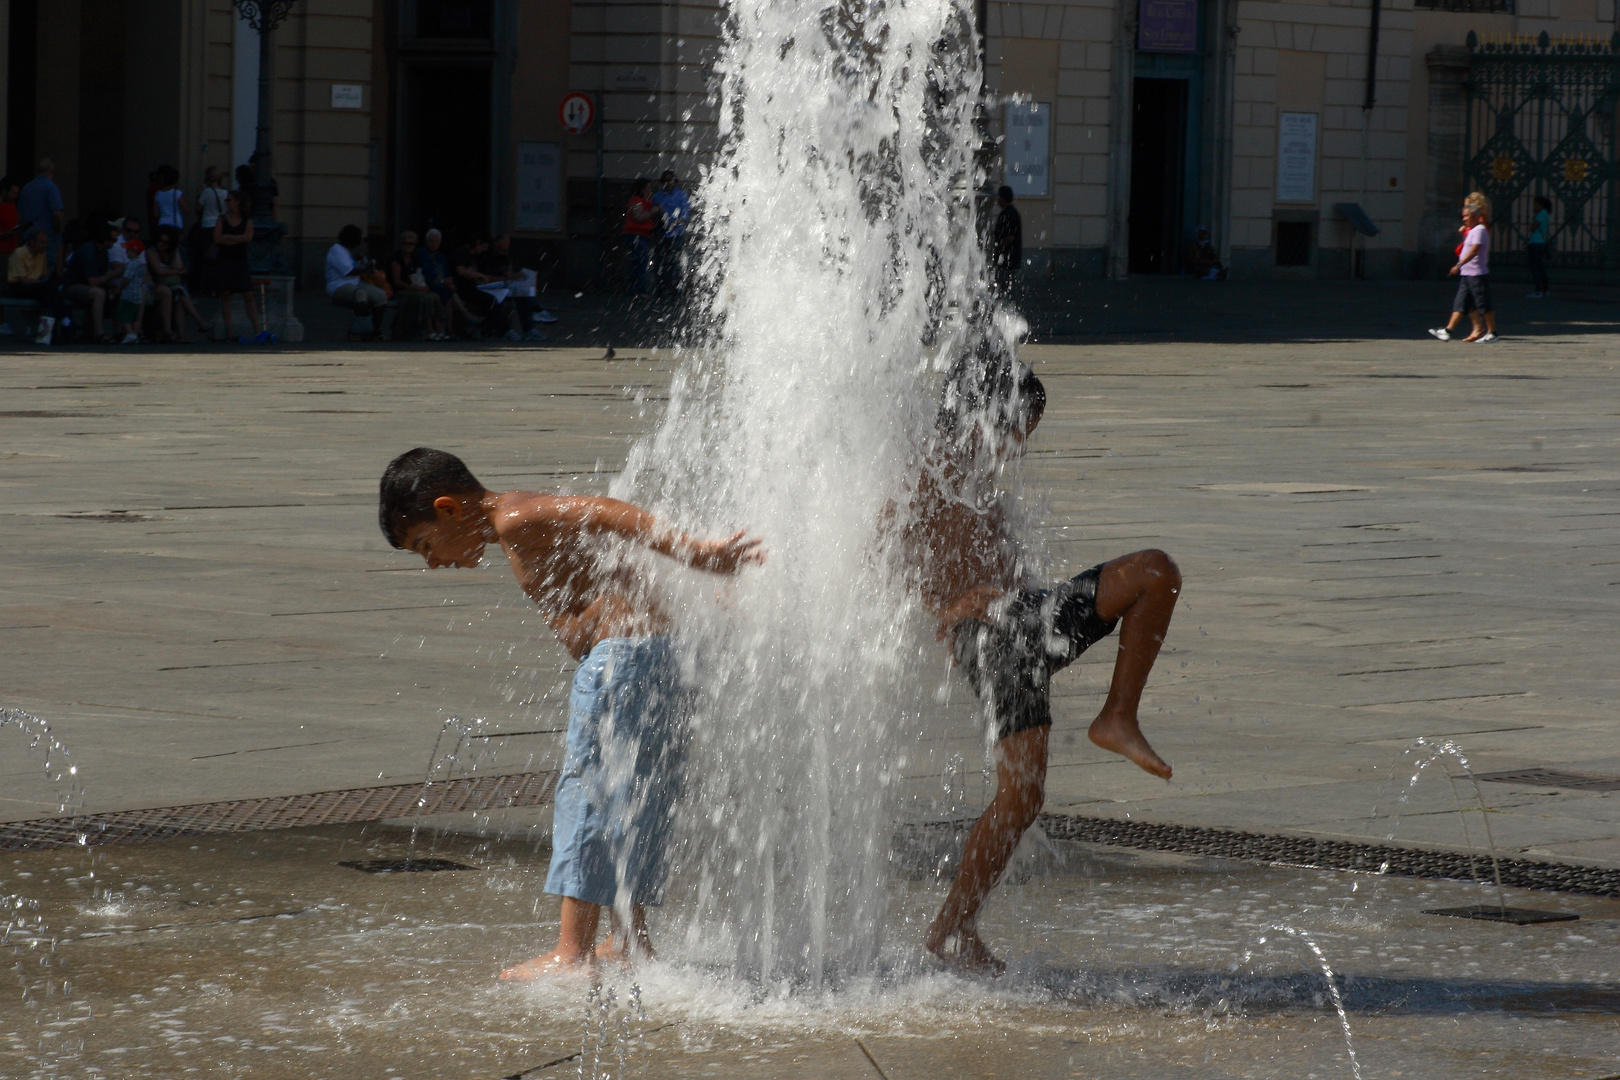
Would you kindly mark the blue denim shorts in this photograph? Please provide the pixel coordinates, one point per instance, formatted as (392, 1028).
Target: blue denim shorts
(621, 774)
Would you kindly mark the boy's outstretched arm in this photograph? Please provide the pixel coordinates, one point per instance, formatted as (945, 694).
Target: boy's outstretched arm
(603, 515)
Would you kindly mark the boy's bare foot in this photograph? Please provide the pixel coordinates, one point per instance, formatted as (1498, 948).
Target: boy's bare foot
(550, 966)
(964, 951)
(1123, 736)
(610, 951)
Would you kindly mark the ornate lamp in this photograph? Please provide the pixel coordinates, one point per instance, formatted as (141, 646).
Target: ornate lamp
(264, 16)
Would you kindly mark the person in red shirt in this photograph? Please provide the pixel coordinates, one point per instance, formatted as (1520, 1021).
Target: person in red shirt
(639, 219)
(10, 226)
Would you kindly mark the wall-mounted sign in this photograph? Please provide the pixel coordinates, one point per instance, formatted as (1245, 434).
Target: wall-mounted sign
(577, 112)
(1167, 26)
(1026, 153)
(346, 96)
(1296, 157)
(539, 188)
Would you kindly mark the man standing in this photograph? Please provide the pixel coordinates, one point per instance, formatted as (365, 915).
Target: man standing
(1006, 243)
(40, 206)
(677, 211)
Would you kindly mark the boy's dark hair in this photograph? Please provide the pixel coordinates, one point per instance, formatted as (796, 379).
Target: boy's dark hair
(410, 484)
(987, 382)
(1004, 192)
(1542, 200)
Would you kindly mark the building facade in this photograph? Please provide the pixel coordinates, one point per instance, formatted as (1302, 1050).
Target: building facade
(1312, 138)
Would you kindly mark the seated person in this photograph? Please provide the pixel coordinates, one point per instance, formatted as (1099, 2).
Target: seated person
(88, 276)
(1203, 262)
(344, 281)
(467, 278)
(167, 268)
(436, 272)
(496, 264)
(421, 313)
(28, 275)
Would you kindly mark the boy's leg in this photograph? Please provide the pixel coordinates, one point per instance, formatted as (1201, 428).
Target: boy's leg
(1020, 791)
(576, 943)
(1140, 590)
(628, 947)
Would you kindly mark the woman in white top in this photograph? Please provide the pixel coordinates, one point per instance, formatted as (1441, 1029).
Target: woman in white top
(211, 198)
(169, 200)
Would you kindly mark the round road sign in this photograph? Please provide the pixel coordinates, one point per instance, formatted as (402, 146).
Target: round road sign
(577, 112)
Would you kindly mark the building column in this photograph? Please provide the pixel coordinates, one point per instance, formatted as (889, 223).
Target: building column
(1121, 103)
(1224, 67)
(1443, 184)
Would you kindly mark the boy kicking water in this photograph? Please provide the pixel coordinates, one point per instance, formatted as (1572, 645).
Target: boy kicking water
(1009, 637)
(614, 798)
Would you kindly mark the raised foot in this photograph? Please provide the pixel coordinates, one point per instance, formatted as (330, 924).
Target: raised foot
(1123, 736)
(965, 952)
(552, 965)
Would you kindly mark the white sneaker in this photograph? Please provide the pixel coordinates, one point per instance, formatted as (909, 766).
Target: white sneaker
(131, 339)
(513, 335)
(544, 316)
(1443, 334)
(534, 335)
(1487, 339)
(1534, 295)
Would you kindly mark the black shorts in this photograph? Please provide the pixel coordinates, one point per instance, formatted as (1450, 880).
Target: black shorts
(1473, 294)
(1011, 658)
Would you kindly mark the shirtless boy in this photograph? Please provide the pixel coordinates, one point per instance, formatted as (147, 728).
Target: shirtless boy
(619, 777)
(1010, 637)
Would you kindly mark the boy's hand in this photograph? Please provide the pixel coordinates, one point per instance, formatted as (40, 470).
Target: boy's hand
(729, 555)
(973, 604)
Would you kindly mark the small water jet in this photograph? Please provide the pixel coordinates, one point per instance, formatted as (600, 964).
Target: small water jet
(1423, 753)
(1296, 934)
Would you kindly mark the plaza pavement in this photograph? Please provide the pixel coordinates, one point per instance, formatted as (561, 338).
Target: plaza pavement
(1383, 537)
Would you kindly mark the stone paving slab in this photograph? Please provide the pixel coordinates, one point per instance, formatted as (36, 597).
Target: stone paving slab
(1382, 539)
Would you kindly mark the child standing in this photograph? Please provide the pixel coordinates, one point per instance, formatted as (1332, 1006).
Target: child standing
(1535, 248)
(1010, 637)
(614, 799)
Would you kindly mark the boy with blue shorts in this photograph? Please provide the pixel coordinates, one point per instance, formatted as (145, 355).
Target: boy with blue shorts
(620, 773)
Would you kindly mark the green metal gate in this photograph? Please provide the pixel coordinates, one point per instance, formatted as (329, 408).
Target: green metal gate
(1541, 121)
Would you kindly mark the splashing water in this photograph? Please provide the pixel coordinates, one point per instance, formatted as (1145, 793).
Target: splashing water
(60, 771)
(1297, 934)
(840, 239)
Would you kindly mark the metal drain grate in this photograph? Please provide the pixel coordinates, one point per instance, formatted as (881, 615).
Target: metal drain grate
(1553, 778)
(1514, 915)
(279, 812)
(401, 866)
(1330, 854)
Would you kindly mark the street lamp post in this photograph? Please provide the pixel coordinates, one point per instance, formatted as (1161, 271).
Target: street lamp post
(264, 16)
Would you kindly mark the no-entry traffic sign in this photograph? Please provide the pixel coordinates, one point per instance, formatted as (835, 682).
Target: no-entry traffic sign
(577, 112)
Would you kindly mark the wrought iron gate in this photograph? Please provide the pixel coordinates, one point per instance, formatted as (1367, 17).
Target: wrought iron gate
(1541, 121)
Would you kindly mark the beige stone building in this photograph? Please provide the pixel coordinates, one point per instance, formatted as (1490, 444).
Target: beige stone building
(1127, 124)
(1262, 129)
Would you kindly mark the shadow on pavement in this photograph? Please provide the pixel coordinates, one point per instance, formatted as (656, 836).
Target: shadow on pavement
(1251, 993)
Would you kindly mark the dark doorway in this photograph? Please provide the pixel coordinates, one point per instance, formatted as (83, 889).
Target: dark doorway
(22, 89)
(1158, 173)
(445, 169)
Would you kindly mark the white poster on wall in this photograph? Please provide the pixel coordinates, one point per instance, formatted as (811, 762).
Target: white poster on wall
(1296, 157)
(1026, 153)
(539, 201)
